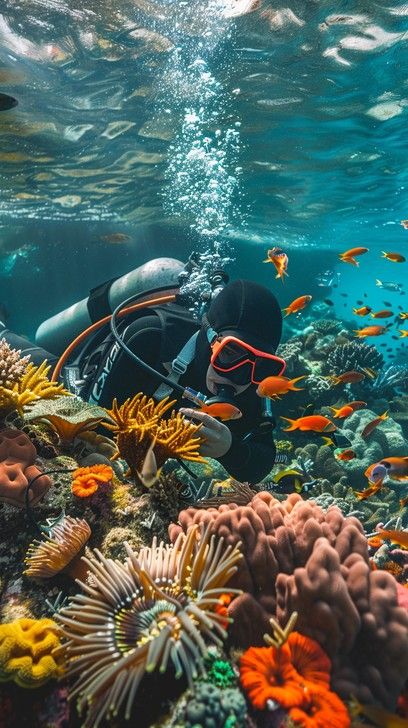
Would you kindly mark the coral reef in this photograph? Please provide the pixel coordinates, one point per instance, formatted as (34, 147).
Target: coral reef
(31, 386)
(353, 355)
(153, 611)
(390, 379)
(327, 326)
(17, 468)
(68, 416)
(59, 551)
(26, 652)
(299, 558)
(12, 365)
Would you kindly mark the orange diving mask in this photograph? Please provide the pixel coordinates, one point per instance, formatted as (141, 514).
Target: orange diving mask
(242, 363)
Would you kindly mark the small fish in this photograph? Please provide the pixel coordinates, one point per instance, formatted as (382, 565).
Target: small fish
(280, 260)
(223, 411)
(396, 467)
(395, 337)
(314, 423)
(399, 537)
(365, 295)
(363, 311)
(116, 238)
(379, 716)
(342, 412)
(349, 255)
(338, 440)
(370, 331)
(388, 285)
(297, 305)
(7, 102)
(387, 303)
(368, 429)
(357, 404)
(382, 314)
(400, 308)
(351, 377)
(328, 302)
(404, 224)
(149, 474)
(403, 333)
(274, 387)
(345, 295)
(394, 257)
(345, 455)
(383, 344)
(403, 314)
(368, 492)
(288, 481)
(359, 303)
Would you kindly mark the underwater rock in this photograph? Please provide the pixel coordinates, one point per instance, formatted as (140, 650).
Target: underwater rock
(17, 469)
(113, 545)
(299, 558)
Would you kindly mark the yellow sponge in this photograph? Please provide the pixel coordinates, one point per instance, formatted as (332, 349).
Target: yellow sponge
(26, 652)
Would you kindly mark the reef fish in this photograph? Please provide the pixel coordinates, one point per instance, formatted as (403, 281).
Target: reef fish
(373, 424)
(342, 412)
(7, 102)
(273, 387)
(404, 315)
(389, 285)
(297, 305)
(396, 467)
(394, 257)
(382, 314)
(399, 537)
(280, 260)
(351, 377)
(370, 331)
(403, 333)
(223, 411)
(314, 423)
(368, 492)
(363, 311)
(349, 256)
(345, 455)
(149, 473)
(379, 716)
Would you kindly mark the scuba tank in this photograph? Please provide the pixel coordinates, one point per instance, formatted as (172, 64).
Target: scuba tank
(57, 332)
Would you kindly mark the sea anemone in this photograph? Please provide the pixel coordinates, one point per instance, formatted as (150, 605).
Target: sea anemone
(320, 708)
(33, 385)
(139, 616)
(59, 551)
(86, 481)
(27, 652)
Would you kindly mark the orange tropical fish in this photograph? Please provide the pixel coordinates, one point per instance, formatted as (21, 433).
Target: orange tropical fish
(404, 333)
(351, 377)
(373, 424)
(399, 537)
(345, 455)
(394, 257)
(342, 412)
(376, 474)
(280, 260)
(382, 314)
(368, 492)
(314, 423)
(363, 311)
(297, 305)
(273, 387)
(222, 411)
(349, 255)
(397, 467)
(370, 331)
(404, 315)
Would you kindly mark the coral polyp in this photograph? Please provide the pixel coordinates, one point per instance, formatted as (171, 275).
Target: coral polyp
(46, 558)
(153, 611)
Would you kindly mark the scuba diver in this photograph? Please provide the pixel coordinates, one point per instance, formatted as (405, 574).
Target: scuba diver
(164, 350)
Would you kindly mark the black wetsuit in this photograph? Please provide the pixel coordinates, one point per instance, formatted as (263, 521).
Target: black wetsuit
(157, 338)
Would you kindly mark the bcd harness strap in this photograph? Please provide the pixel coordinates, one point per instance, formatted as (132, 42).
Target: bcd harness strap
(178, 367)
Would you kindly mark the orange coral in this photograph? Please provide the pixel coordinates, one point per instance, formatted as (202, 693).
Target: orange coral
(86, 481)
(321, 708)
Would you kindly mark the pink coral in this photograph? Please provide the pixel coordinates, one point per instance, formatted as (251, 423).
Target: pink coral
(17, 469)
(298, 557)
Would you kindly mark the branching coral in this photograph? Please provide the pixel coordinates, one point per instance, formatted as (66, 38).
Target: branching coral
(353, 355)
(33, 385)
(68, 416)
(327, 326)
(299, 558)
(59, 551)
(26, 652)
(140, 616)
(139, 422)
(12, 365)
(86, 481)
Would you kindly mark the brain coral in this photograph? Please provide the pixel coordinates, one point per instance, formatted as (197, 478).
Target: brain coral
(26, 647)
(299, 558)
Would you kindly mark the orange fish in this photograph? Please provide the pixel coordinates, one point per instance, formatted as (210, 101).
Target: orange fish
(314, 423)
(404, 315)
(373, 424)
(404, 333)
(222, 411)
(382, 314)
(399, 537)
(349, 255)
(273, 387)
(280, 260)
(363, 311)
(370, 331)
(394, 257)
(342, 412)
(351, 377)
(297, 305)
(397, 467)
(404, 224)
(368, 492)
(376, 473)
(345, 455)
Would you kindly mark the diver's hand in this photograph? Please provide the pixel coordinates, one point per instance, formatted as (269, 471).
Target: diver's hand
(217, 437)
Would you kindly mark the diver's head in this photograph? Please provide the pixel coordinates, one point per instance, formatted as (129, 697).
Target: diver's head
(243, 327)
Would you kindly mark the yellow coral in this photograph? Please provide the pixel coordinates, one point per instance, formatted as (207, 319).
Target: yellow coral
(26, 652)
(176, 438)
(140, 413)
(33, 385)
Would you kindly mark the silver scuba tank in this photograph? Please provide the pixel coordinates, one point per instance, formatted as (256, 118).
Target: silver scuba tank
(57, 332)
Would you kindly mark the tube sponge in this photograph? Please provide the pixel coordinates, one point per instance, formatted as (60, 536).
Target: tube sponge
(26, 652)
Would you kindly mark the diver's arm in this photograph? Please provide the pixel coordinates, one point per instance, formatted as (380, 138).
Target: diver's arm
(250, 459)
